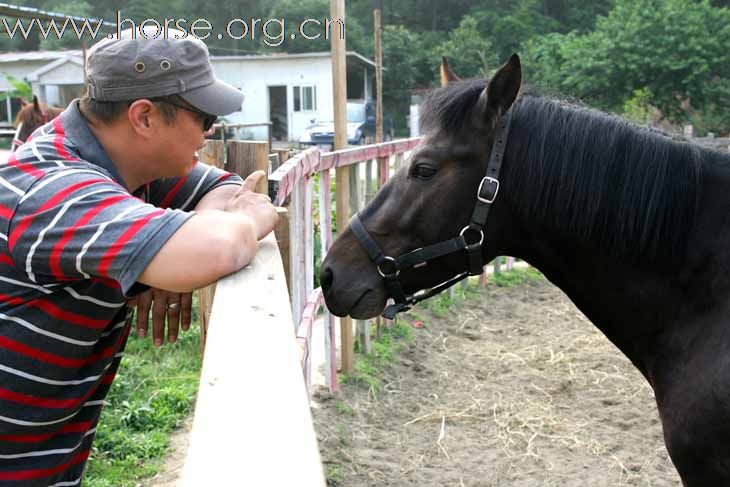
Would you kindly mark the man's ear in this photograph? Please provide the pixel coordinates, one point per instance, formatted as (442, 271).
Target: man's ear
(446, 73)
(501, 91)
(140, 115)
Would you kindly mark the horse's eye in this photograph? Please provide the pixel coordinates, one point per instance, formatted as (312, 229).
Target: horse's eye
(423, 172)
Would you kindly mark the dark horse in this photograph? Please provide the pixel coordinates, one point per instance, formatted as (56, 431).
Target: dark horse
(633, 225)
(31, 116)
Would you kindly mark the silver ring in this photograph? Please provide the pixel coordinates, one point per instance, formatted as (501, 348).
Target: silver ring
(172, 305)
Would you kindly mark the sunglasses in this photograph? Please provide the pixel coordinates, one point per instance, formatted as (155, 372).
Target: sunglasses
(208, 119)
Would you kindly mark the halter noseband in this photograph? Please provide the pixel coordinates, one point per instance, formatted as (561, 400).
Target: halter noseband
(470, 238)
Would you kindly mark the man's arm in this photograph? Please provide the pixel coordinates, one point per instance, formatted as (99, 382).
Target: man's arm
(213, 243)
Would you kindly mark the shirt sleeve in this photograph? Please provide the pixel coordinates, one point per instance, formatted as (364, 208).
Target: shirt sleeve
(75, 225)
(184, 193)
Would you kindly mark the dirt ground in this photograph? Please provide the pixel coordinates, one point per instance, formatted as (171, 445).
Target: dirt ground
(516, 388)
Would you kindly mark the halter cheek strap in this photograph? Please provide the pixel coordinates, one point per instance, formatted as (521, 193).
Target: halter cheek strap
(469, 240)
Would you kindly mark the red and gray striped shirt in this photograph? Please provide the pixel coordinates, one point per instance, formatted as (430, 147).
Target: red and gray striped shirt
(73, 241)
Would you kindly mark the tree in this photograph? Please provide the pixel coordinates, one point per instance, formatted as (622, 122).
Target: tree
(662, 46)
(469, 51)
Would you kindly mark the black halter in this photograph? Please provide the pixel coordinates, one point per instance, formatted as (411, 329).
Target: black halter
(470, 238)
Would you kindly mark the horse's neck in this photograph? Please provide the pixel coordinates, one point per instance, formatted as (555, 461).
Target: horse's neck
(635, 304)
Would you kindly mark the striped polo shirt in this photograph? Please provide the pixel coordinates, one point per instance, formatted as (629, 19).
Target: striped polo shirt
(73, 241)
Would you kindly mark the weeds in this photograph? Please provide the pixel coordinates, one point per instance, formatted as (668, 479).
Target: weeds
(152, 394)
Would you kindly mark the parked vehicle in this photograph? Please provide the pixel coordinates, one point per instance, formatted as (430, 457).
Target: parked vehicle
(360, 127)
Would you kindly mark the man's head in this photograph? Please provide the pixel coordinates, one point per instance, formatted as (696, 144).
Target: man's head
(159, 91)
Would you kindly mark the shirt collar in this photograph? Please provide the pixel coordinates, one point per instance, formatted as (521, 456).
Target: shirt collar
(85, 143)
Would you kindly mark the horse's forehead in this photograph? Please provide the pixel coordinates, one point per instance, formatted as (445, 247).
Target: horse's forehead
(438, 145)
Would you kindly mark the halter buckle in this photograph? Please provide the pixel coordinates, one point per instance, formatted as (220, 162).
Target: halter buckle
(389, 275)
(481, 236)
(491, 181)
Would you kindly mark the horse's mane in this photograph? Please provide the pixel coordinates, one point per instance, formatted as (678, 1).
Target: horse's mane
(632, 190)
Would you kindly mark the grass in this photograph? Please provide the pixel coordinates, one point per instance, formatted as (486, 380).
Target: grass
(368, 368)
(152, 394)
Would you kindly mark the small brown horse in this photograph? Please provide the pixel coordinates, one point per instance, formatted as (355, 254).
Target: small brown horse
(632, 224)
(31, 116)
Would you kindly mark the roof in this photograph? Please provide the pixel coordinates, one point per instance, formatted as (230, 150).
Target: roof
(53, 65)
(301, 55)
(15, 56)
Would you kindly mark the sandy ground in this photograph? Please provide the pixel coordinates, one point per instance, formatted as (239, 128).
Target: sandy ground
(516, 389)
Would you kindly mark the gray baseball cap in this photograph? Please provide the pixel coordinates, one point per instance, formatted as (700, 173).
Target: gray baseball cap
(136, 66)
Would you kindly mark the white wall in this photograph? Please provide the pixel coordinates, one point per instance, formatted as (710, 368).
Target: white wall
(19, 70)
(255, 76)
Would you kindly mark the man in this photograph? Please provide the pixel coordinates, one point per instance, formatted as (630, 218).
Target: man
(102, 204)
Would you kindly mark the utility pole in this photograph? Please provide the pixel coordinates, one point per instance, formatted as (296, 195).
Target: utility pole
(342, 174)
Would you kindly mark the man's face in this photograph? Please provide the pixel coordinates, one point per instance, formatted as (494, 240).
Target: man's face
(179, 143)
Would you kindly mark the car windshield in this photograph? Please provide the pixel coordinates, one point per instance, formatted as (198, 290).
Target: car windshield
(355, 112)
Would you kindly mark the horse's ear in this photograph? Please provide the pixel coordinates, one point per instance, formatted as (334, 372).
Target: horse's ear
(36, 105)
(24, 103)
(447, 74)
(502, 90)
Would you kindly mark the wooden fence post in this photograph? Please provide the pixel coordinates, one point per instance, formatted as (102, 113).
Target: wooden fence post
(245, 157)
(325, 232)
(297, 249)
(282, 239)
(212, 153)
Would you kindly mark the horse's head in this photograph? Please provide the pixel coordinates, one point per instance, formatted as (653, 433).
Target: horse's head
(31, 116)
(429, 201)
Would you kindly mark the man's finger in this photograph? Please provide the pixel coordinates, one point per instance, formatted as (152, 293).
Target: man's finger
(186, 310)
(173, 317)
(252, 179)
(159, 312)
(144, 301)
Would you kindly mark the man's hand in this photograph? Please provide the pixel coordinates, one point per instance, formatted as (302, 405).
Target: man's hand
(176, 307)
(257, 206)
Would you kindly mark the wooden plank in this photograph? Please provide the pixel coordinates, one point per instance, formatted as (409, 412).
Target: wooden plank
(283, 154)
(342, 177)
(358, 188)
(354, 190)
(297, 251)
(339, 77)
(304, 336)
(245, 157)
(283, 240)
(251, 347)
(510, 263)
(363, 336)
(356, 155)
(383, 170)
(464, 284)
(330, 347)
(497, 263)
(308, 231)
(289, 173)
(205, 305)
(399, 158)
(369, 186)
(377, 31)
(483, 277)
(212, 153)
(325, 212)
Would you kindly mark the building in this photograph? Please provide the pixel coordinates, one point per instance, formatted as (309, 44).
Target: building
(288, 90)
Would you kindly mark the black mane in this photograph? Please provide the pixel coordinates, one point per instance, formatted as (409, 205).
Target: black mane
(631, 190)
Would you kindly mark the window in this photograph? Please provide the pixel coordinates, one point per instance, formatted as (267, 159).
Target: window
(305, 98)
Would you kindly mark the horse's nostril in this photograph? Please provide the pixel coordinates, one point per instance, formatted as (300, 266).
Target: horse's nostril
(326, 277)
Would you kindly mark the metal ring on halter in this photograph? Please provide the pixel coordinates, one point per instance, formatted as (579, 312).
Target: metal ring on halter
(481, 235)
(395, 265)
(172, 305)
